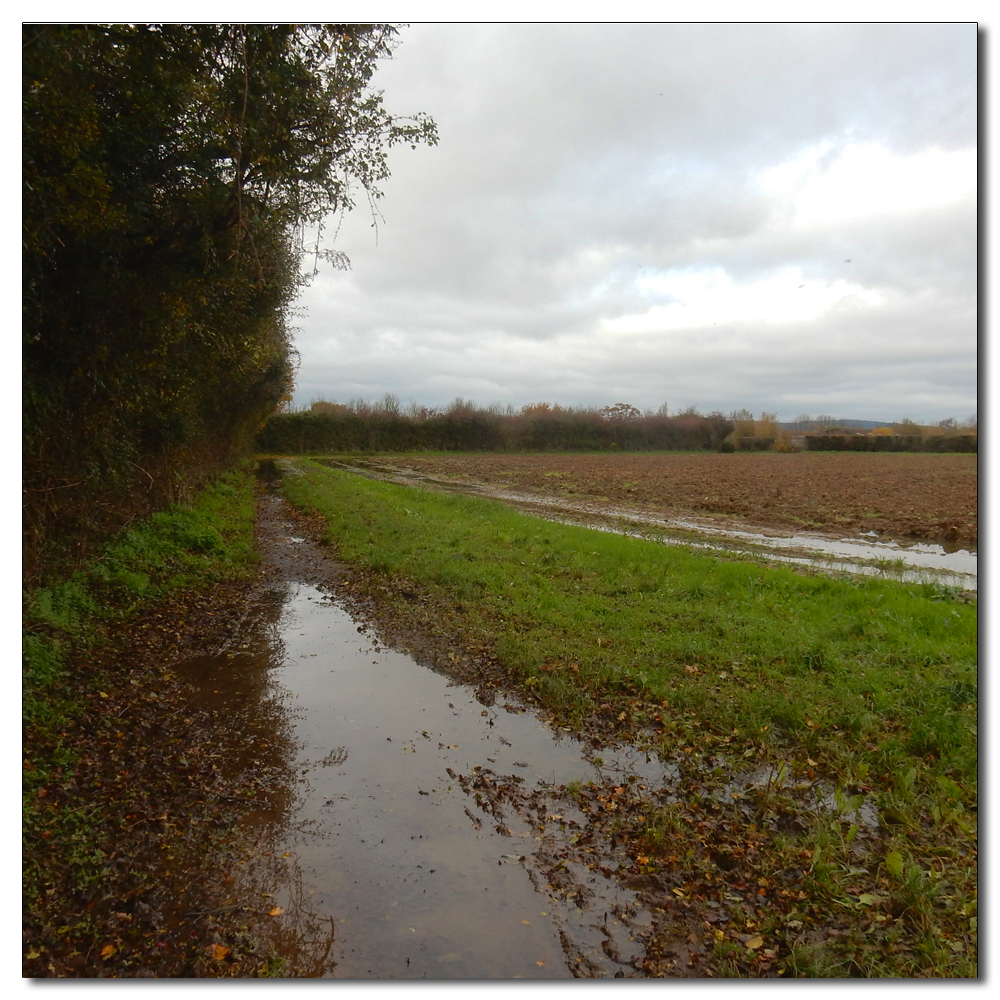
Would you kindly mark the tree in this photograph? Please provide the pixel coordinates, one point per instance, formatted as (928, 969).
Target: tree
(169, 173)
(620, 411)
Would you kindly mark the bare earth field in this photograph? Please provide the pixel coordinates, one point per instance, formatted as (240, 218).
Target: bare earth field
(901, 496)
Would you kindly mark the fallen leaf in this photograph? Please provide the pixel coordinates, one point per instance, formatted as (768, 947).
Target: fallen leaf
(755, 942)
(691, 668)
(867, 899)
(539, 962)
(894, 862)
(102, 694)
(217, 951)
(107, 951)
(277, 911)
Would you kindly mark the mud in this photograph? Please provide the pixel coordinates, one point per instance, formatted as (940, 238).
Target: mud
(903, 497)
(398, 859)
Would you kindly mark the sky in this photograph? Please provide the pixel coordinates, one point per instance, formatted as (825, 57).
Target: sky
(776, 217)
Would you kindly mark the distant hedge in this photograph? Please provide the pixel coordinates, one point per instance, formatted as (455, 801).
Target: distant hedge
(316, 433)
(893, 442)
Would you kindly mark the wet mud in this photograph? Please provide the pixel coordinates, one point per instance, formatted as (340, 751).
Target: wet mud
(430, 824)
(903, 497)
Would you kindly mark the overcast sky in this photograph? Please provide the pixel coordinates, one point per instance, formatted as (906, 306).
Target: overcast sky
(776, 217)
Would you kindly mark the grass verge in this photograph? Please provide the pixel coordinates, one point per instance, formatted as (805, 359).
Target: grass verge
(209, 541)
(833, 722)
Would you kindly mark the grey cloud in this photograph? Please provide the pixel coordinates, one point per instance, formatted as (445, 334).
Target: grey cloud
(576, 158)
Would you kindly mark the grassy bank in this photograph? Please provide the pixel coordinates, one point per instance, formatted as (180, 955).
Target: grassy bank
(207, 542)
(122, 814)
(729, 668)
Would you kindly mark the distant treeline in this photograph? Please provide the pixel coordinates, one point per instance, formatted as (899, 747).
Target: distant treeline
(330, 427)
(386, 426)
(892, 442)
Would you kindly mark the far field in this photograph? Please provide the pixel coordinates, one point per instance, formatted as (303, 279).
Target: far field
(915, 496)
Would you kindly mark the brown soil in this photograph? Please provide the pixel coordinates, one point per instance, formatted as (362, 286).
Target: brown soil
(903, 496)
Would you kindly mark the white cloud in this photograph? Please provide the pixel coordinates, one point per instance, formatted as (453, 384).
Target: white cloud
(702, 298)
(824, 186)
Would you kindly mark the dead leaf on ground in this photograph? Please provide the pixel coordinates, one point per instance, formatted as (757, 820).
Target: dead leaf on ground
(277, 911)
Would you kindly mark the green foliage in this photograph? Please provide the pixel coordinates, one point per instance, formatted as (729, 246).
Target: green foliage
(168, 171)
(967, 443)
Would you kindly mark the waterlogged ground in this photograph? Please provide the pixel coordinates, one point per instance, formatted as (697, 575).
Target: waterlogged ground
(664, 502)
(428, 828)
(422, 840)
(908, 497)
(294, 798)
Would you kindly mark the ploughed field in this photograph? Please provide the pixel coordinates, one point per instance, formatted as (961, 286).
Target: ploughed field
(917, 496)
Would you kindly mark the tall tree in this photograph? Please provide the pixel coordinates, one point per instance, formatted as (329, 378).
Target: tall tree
(169, 172)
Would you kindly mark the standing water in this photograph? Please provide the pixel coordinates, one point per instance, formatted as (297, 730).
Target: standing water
(394, 864)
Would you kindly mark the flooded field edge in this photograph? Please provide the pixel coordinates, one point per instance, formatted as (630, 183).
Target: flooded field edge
(906, 560)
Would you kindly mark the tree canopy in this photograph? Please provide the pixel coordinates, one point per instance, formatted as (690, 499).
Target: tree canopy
(169, 171)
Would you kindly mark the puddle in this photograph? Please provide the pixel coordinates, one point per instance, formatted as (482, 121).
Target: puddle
(397, 859)
(889, 558)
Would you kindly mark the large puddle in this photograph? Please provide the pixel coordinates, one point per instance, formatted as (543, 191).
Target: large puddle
(396, 860)
(865, 555)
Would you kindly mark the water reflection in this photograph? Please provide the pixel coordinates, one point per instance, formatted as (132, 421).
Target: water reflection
(382, 857)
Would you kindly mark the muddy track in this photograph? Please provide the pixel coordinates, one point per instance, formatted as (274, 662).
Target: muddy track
(902, 496)
(621, 908)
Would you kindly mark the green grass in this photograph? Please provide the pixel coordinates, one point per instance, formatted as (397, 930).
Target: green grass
(206, 542)
(859, 673)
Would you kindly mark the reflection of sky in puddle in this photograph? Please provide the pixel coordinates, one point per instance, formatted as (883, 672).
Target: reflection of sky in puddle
(958, 568)
(383, 833)
(910, 562)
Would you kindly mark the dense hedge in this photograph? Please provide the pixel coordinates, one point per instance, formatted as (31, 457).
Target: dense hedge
(317, 433)
(893, 442)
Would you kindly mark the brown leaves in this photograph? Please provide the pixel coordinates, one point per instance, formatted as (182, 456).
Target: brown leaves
(217, 951)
